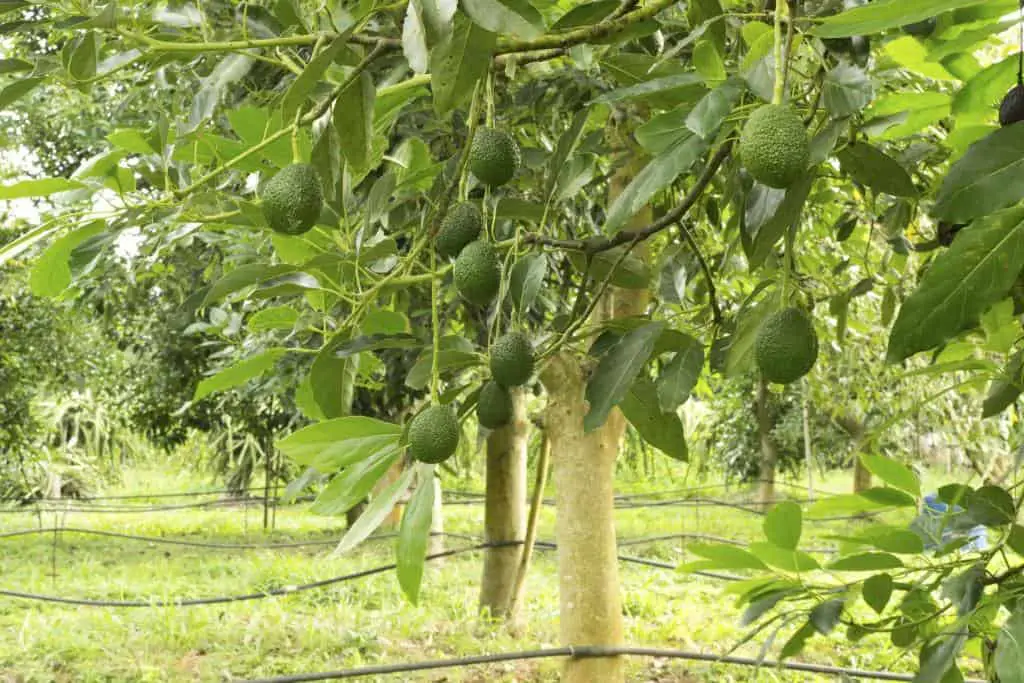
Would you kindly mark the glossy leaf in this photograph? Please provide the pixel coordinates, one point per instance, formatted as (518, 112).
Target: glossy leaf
(1009, 656)
(376, 512)
(333, 444)
(515, 17)
(825, 616)
(879, 16)
(51, 273)
(781, 558)
(301, 88)
(411, 552)
(655, 177)
(877, 590)
(985, 179)
(783, 525)
(353, 484)
(976, 271)
(42, 187)
(680, 376)
(617, 371)
(726, 556)
(866, 562)
(870, 166)
(891, 472)
(458, 63)
(663, 430)
(353, 121)
(239, 373)
(526, 280)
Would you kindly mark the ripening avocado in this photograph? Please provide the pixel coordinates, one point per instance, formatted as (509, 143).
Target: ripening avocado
(477, 273)
(292, 199)
(1011, 109)
(786, 346)
(493, 157)
(494, 406)
(922, 29)
(773, 145)
(512, 360)
(434, 435)
(461, 226)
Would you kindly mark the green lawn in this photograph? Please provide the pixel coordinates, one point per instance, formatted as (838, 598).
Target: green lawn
(365, 621)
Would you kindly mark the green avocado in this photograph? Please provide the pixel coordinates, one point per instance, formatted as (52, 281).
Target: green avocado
(477, 273)
(461, 226)
(434, 435)
(774, 147)
(292, 199)
(512, 360)
(493, 157)
(786, 346)
(494, 406)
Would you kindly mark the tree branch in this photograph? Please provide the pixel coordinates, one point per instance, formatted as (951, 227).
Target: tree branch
(596, 245)
(716, 310)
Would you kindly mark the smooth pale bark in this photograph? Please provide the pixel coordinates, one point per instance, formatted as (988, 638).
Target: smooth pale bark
(536, 503)
(855, 429)
(588, 571)
(505, 509)
(769, 451)
(808, 450)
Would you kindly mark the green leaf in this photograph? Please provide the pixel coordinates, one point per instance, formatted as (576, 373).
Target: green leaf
(301, 88)
(870, 166)
(847, 90)
(230, 70)
(242, 277)
(787, 560)
(645, 89)
(892, 473)
(663, 430)
(334, 444)
(516, 17)
(890, 539)
(332, 378)
(80, 56)
(866, 562)
(411, 553)
(239, 373)
(797, 641)
(680, 376)
(13, 66)
(937, 659)
(976, 271)
(879, 16)
(447, 360)
(353, 121)
(655, 177)
(427, 24)
(877, 590)
(382, 321)
(51, 273)
(273, 318)
(726, 556)
(567, 142)
(1009, 656)
(526, 279)
(616, 372)
(631, 272)
(992, 506)
(458, 63)
(985, 88)
(376, 342)
(783, 525)
(889, 497)
(786, 217)
(42, 187)
(985, 179)
(825, 616)
(354, 483)
(707, 117)
(376, 512)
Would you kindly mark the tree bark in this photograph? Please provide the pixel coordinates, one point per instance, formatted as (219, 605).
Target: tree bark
(505, 509)
(769, 452)
(588, 571)
(436, 543)
(808, 449)
(855, 429)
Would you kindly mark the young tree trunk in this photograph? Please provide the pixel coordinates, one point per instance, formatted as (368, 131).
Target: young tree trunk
(808, 449)
(855, 430)
(505, 509)
(769, 452)
(588, 571)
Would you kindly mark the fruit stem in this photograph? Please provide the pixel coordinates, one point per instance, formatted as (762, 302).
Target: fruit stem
(435, 327)
(780, 72)
(1020, 47)
(296, 127)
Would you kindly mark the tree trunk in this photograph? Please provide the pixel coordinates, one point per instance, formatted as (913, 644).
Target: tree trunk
(808, 449)
(769, 452)
(505, 509)
(588, 571)
(855, 429)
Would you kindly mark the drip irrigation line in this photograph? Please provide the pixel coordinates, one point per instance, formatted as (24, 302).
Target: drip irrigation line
(191, 602)
(173, 541)
(134, 509)
(144, 496)
(587, 652)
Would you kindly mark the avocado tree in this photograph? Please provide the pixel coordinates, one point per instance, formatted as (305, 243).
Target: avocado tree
(736, 151)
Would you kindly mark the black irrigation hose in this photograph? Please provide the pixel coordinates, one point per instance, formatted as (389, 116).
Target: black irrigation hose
(235, 598)
(587, 652)
(132, 509)
(144, 496)
(172, 541)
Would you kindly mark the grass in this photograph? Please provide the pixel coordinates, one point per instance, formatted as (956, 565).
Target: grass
(365, 621)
